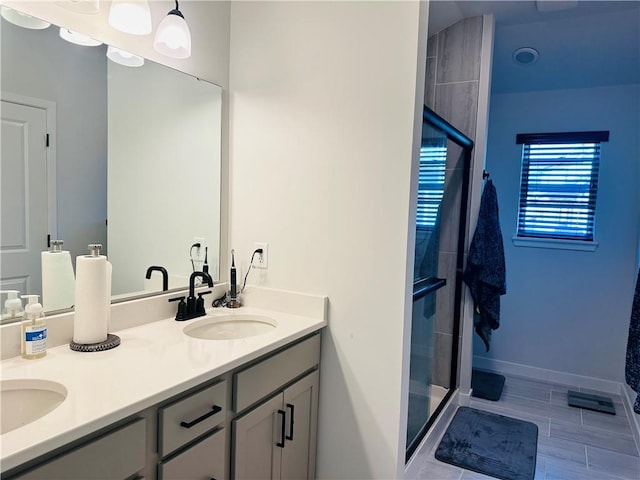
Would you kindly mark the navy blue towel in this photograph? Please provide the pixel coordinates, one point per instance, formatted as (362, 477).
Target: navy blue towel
(486, 272)
(632, 367)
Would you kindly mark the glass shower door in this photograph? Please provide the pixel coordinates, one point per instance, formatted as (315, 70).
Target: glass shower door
(433, 156)
(445, 157)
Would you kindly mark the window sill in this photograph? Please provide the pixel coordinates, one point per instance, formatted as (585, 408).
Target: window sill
(555, 244)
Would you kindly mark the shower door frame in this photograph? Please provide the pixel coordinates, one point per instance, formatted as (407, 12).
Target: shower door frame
(423, 287)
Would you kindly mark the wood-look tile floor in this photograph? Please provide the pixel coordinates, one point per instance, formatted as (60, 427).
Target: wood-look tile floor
(573, 443)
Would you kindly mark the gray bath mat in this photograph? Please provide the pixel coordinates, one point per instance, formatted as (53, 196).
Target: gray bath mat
(486, 385)
(490, 444)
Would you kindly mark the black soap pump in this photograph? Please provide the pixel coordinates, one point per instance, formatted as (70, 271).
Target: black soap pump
(233, 287)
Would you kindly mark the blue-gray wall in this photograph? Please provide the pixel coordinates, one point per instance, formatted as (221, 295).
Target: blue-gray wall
(569, 310)
(38, 63)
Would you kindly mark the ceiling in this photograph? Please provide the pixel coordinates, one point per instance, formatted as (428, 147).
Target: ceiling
(595, 43)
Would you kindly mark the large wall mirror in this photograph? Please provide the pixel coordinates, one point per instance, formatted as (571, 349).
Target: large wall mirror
(133, 163)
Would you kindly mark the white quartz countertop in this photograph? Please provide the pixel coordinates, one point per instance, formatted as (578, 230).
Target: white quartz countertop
(153, 362)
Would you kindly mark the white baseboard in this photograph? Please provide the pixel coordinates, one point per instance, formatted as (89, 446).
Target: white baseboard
(464, 399)
(564, 378)
(554, 376)
(628, 402)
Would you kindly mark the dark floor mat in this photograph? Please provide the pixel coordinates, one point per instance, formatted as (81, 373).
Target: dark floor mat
(486, 385)
(490, 444)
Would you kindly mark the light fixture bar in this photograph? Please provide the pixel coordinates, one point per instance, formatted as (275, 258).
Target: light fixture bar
(86, 7)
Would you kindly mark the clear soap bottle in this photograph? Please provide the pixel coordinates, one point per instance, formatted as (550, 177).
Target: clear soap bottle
(34, 329)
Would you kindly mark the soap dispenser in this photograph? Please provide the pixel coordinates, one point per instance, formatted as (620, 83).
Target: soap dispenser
(13, 305)
(34, 329)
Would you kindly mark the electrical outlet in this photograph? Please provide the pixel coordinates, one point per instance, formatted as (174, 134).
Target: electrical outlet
(197, 253)
(260, 260)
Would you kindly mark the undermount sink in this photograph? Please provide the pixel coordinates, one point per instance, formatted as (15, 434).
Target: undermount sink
(24, 400)
(229, 327)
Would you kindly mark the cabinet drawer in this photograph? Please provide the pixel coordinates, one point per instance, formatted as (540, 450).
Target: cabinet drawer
(116, 455)
(260, 380)
(205, 459)
(190, 417)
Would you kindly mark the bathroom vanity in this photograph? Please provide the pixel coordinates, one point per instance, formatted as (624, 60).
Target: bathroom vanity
(166, 404)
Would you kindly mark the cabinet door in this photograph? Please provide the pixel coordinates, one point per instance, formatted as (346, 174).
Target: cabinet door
(206, 459)
(301, 405)
(256, 455)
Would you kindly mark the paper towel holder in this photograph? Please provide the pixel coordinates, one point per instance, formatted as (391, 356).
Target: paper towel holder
(55, 246)
(112, 341)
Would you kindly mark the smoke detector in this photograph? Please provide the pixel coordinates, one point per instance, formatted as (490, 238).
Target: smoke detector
(525, 56)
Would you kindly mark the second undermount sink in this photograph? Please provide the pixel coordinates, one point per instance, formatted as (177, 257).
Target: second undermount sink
(24, 400)
(229, 327)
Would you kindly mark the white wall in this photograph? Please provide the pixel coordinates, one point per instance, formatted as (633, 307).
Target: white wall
(323, 100)
(569, 310)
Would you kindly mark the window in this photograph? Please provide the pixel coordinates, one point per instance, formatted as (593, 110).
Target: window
(559, 184)
(433, 161)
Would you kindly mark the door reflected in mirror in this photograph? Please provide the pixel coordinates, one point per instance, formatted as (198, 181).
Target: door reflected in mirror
(132, 162)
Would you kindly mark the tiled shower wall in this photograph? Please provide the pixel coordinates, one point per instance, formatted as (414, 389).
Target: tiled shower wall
(451, 90)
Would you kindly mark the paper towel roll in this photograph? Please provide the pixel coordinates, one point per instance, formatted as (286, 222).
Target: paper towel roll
(93, 299)
(58, 280)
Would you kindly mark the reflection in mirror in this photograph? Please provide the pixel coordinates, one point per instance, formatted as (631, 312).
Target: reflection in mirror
(133, 163)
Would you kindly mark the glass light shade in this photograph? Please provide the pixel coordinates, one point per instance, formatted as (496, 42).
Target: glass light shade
(123, 57)
(130, 16)
(88, 7)
(173, 37)
(22, 19)
(78, 38)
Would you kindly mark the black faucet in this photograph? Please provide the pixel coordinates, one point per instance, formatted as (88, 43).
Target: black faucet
(165, 276)
(193, 307)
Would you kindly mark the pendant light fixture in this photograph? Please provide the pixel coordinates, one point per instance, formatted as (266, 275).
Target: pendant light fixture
(123, 57)
(173, 38)
(130, 16)
(78, 38)
(22, 19)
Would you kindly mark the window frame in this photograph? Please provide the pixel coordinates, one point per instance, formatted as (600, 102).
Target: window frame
(549, 240)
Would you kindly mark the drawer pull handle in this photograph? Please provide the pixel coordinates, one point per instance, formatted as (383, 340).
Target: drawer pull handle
(215, 409)
(282, 429)
(290, 436)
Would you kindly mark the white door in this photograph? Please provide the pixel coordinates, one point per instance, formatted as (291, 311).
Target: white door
(23, 196)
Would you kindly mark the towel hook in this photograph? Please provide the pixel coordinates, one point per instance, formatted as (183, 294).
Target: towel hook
(485, 174)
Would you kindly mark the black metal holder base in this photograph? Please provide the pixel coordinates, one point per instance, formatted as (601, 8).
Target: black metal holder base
(112, 341)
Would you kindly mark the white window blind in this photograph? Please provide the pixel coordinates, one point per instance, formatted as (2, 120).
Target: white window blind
(433, 162)
(559, 185)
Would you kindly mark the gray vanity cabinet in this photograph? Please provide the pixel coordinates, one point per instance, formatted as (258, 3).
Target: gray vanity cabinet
(257, 421)
(206, 459)
(182, 424)
(117, 454)
(276, 400)
(277, 439)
